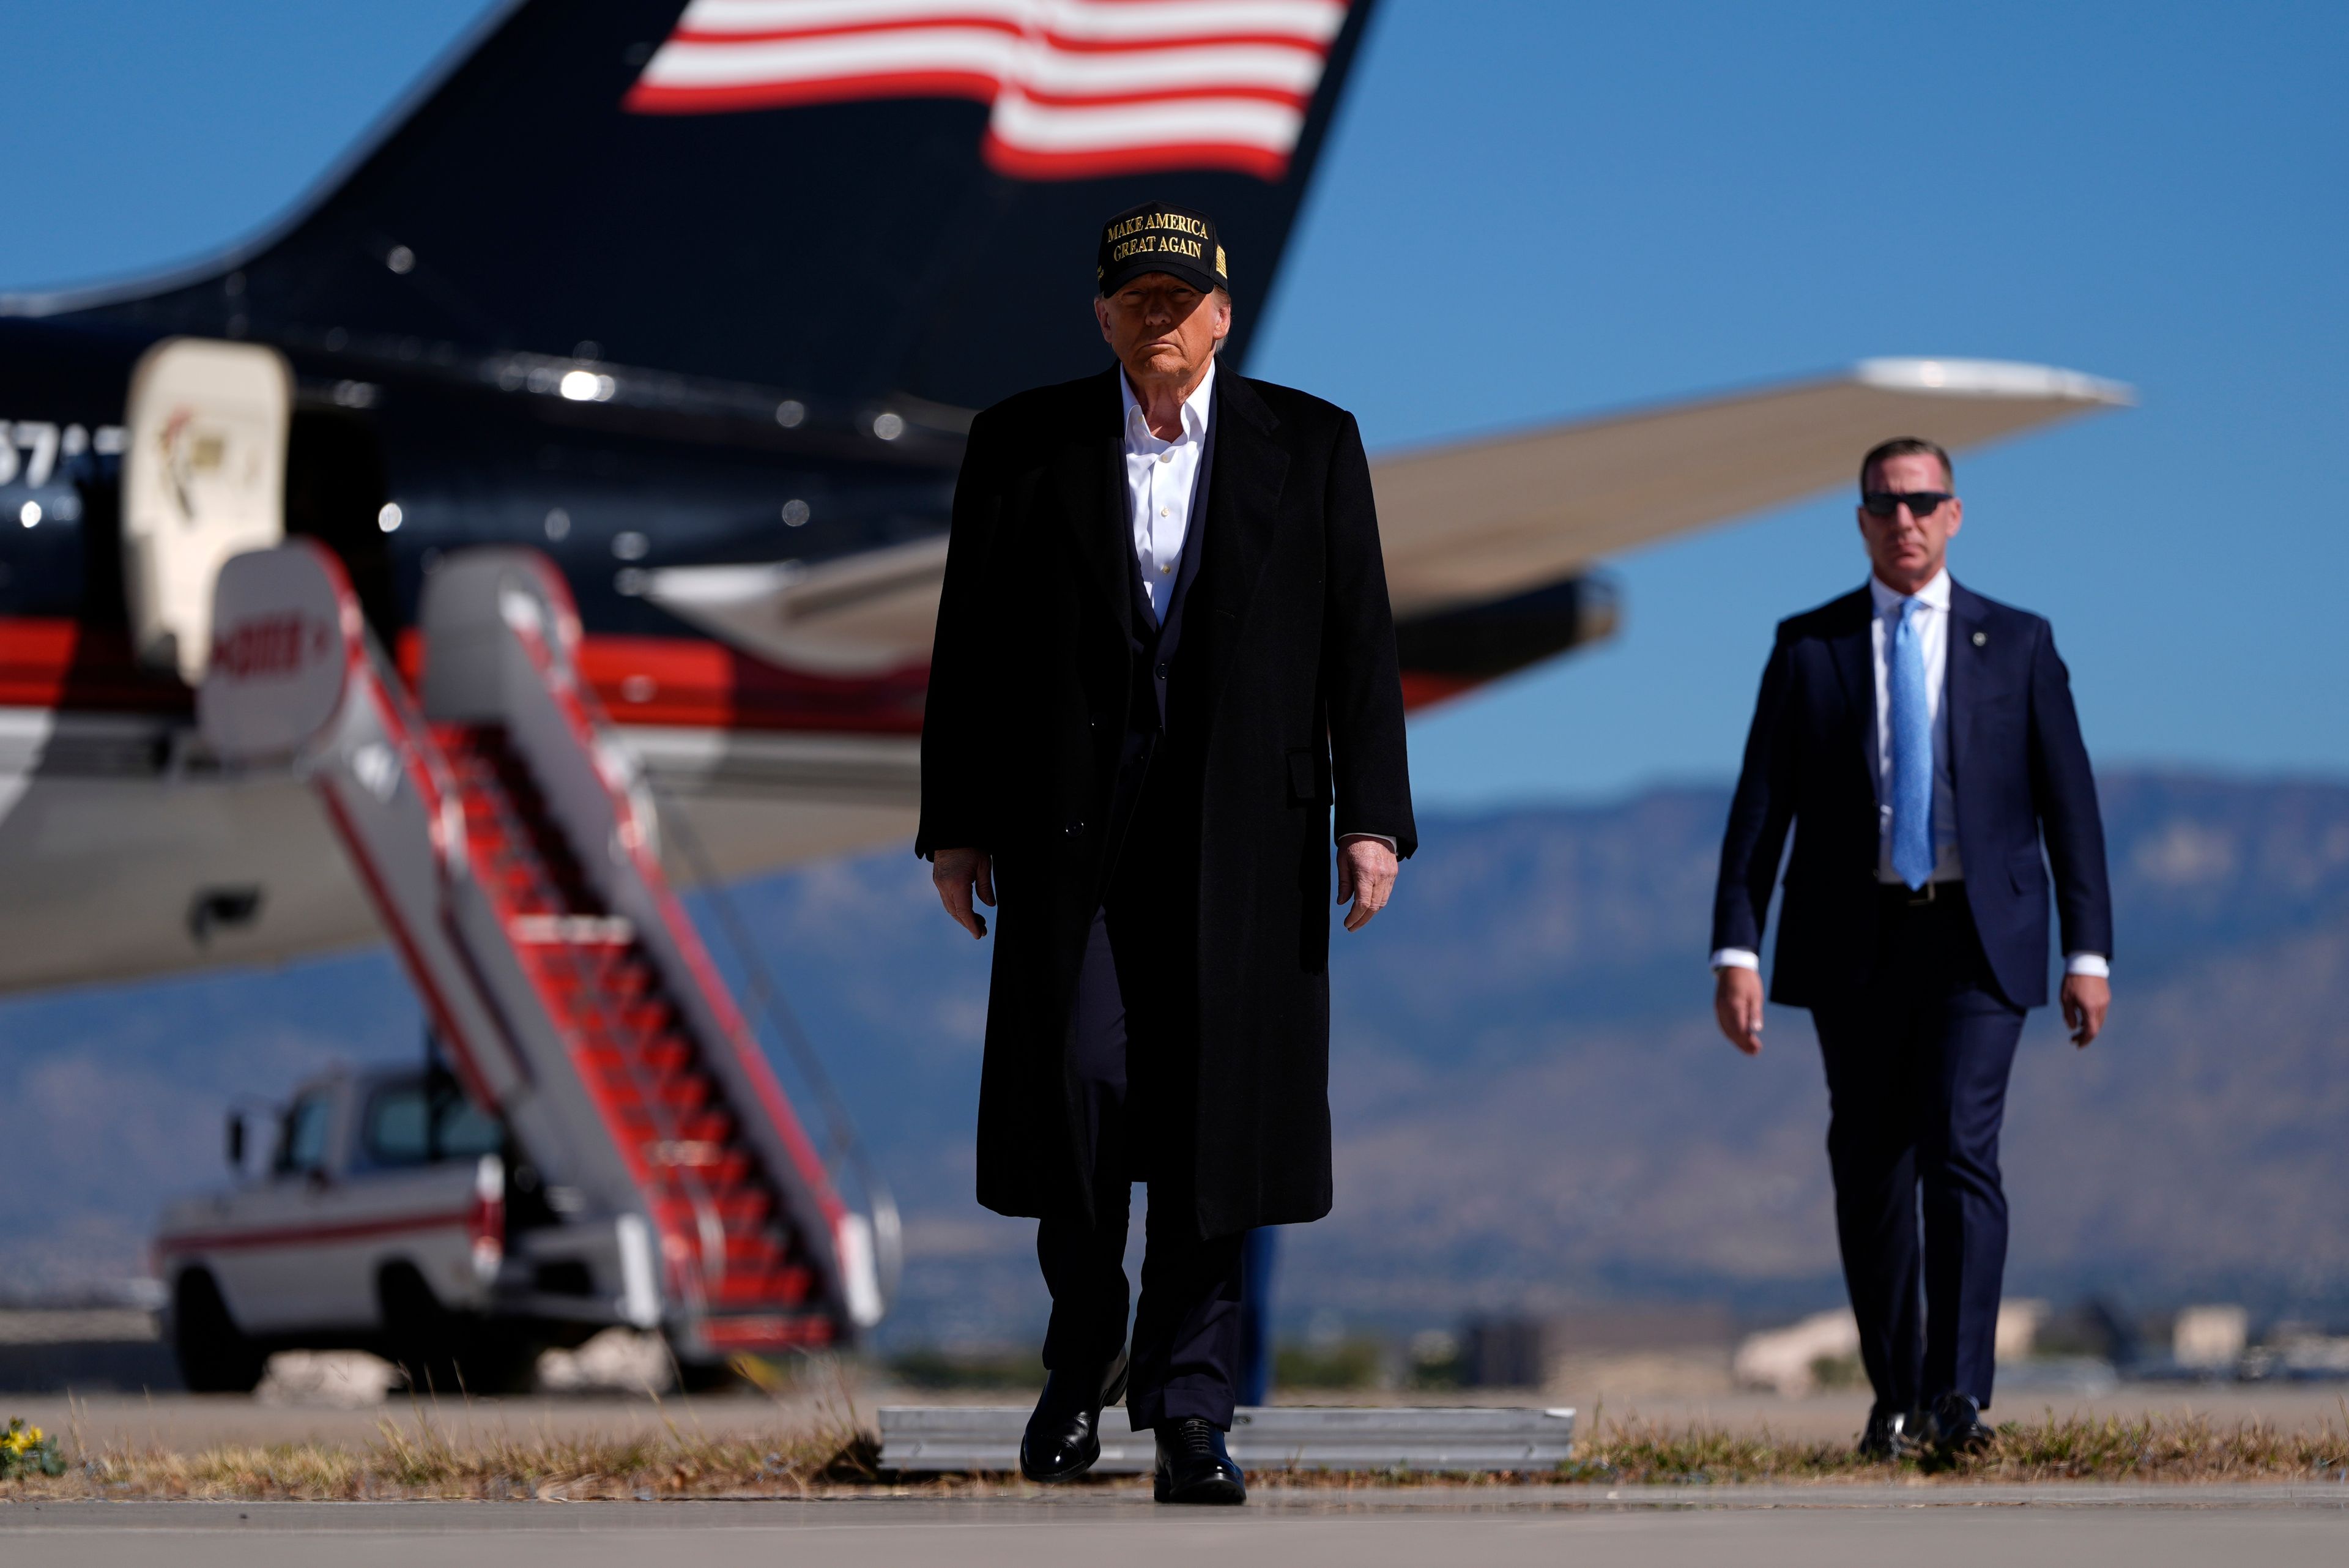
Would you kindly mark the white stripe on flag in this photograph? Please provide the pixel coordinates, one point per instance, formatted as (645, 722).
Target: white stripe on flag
(1308, 21)
(983, 51)
(1212, 123)
(974, 50)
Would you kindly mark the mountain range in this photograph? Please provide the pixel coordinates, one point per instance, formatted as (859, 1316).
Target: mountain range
(1533, 1109)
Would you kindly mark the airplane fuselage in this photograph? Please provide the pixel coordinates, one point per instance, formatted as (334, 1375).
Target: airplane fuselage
(402, 452)
(115, 840)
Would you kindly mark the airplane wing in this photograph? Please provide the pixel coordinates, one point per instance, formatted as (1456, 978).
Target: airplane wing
(1479, 520)
(859, 615)
(1476, 521)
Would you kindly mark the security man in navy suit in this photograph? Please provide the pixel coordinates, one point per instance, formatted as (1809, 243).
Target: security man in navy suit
(1921, 740)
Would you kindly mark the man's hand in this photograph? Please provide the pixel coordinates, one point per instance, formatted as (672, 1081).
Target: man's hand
(956, 874)
(2087, 998)
(1366, 874)
(1737, 1006)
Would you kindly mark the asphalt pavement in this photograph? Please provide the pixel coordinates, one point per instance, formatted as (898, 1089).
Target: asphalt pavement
(1816, 1527)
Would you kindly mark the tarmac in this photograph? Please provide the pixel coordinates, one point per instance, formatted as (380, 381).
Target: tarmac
(1805, 1527)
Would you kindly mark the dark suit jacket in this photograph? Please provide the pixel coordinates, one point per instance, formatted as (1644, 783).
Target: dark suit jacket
(1281, 700)
(2019, 770)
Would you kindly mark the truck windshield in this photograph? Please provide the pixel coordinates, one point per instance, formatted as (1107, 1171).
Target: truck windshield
(422, 1123)
(303, 1144)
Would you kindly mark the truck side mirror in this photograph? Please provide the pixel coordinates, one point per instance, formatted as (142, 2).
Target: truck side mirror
(236, 1141)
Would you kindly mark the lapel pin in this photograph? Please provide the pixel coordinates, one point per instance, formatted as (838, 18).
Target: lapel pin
(1981, 638)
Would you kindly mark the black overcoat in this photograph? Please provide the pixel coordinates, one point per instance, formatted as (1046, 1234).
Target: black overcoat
(1284, 700)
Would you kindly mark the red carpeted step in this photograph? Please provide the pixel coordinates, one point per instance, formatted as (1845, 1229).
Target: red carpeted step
(630, 1042)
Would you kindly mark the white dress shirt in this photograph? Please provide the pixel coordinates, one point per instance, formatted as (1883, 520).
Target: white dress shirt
(1160, 477)
(1933, 619)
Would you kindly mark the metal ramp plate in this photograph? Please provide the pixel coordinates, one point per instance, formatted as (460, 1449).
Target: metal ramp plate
(949, 1439)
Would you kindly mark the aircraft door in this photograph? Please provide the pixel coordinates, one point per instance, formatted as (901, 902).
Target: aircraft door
(204, 478)
(335, 494)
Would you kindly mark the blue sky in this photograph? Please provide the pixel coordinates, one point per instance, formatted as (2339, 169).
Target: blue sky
(1538, 209)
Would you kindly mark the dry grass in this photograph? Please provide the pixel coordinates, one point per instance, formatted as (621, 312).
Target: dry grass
(2053, 1449)
(418, 1458)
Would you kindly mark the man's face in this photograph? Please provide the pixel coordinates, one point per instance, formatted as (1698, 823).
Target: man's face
(1161, 329)
(1908, 551)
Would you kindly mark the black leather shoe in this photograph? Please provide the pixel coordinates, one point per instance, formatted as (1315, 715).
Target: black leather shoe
(1955, 1426)
(1891, 1434)
(1192, 1466)
(1063, 1437)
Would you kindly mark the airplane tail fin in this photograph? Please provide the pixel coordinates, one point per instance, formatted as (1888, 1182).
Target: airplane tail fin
(855, 198)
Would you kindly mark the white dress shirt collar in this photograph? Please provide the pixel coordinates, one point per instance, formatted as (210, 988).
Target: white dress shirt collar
(1195, 412)
(1934, 594)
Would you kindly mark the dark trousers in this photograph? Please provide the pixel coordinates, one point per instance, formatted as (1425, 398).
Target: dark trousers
(1136, 1075)
(1917, 1066)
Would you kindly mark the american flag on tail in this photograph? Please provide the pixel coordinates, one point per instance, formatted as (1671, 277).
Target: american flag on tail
(1076, 88)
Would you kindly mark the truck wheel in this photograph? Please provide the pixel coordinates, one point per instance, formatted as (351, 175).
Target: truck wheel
(492, 1360)
(214, 1356)
(419, 1337)
(708, 1378)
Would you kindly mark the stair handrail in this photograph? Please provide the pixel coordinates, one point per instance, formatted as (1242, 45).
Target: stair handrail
(844, 1145)
(662, 1122)
(526, 645)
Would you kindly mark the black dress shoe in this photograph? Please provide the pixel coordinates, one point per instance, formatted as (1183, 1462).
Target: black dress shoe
(1063, 1437)
(1956, 1427)
(1891, 1434)
(1192, 1466)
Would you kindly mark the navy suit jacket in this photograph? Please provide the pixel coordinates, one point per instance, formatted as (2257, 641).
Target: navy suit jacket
(2019, 773)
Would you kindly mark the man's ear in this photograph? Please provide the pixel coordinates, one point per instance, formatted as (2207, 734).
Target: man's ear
(1101, 315)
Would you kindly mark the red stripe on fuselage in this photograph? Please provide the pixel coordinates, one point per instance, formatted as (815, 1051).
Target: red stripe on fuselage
(694, 683)
(53, 662)
(689, 682)
(298, 1235)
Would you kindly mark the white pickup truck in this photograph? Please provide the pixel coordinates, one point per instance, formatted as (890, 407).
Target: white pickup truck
(390, 1213)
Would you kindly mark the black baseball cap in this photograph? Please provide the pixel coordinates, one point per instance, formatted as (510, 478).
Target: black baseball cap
(1156, 237)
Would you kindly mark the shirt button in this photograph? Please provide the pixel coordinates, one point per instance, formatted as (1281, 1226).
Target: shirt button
(1162, 673)
(1166, 456)
(1074, 829)
(1162, 511)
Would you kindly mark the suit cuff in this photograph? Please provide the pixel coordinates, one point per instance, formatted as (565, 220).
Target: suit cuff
(1735, 958)
(2094, 965)
(1346, 838)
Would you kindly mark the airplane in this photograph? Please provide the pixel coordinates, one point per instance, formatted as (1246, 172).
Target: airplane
(698, 299)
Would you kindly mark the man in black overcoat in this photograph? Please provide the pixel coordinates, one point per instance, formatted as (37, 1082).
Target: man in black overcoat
(1164, 655)
(1919, 741)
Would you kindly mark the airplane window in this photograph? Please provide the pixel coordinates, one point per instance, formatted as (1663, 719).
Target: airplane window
(303, 1144)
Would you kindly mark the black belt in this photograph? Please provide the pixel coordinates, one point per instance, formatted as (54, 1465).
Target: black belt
(1899, 895)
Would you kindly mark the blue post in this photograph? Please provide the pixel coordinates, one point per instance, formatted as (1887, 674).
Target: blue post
(1256, 1318)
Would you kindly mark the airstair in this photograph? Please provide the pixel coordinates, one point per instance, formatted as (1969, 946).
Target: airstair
(509, 844)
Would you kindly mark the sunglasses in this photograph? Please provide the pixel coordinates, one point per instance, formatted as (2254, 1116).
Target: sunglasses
(1921, 503)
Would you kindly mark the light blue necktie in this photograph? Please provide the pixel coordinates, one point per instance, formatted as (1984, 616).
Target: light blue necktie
(1912, 752)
